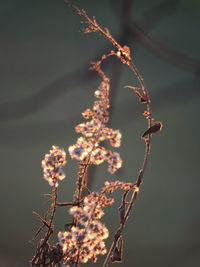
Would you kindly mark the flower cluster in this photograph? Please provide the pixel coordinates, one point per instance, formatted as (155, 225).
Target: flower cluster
(95, 131)
(52, 165)
(85, 240)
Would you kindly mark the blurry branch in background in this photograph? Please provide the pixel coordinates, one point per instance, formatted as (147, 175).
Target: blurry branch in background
(164, 51)
(130, 30)
(163, 98)
(156, 14)
(166, 97)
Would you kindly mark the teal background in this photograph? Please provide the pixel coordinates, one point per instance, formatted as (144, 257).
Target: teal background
(44, 89)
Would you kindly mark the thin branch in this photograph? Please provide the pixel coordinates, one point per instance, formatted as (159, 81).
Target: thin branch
(41, 250)
(42, 220)
(63, 204)
(131, 203)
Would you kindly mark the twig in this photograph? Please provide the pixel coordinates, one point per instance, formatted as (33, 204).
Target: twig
(85, 216)
(125, 57)
(42, 220)
(41, 250)
(63, 204)
(131, 203)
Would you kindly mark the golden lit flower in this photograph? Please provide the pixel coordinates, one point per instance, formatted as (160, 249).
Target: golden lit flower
(52, 165)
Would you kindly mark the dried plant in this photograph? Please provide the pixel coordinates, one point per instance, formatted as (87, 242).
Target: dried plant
(83, 239)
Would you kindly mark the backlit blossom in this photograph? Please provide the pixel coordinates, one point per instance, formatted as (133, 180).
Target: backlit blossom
(81, 149)
(86, 240)
(115, 162)
(52, 165)
(95, 132)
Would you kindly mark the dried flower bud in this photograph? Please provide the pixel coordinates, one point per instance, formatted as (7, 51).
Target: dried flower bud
(116, 256)
(146, 114)
(156, 127)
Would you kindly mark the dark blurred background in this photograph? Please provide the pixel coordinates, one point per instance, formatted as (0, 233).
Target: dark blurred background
(45, 85)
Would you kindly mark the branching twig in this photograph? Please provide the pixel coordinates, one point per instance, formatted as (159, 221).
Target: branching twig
(130, 205)
(83, 238)
(41, 250)
(124, 54)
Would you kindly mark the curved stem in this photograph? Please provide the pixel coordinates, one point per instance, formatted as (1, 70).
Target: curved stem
(141, 171)
(131, 203)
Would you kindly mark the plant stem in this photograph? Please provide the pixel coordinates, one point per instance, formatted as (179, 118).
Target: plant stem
(131, 203)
